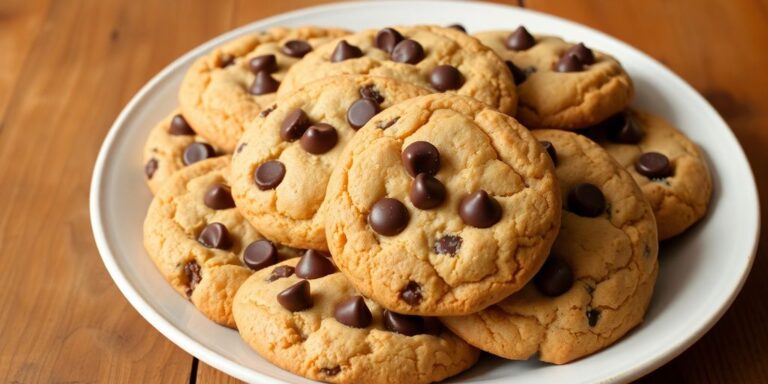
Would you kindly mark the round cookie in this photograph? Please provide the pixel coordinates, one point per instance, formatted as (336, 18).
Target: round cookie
(171, 145)
(599, 278)
(331, 110)
(322, 329)
(441, 59)
(450, 209)
(199, 241)
(669, 168)
(594, 87)
(228, 87)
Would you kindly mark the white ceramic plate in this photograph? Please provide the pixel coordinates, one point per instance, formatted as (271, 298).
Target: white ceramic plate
(700, 274)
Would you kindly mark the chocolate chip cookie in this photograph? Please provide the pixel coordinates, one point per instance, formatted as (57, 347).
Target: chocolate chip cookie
(200, 243)
(599, 277)
(441, 59)
(308, 319)
(669, 168)
(560, 84)
(228, 87)
(285, 158)
(441, 205)
(171, 145)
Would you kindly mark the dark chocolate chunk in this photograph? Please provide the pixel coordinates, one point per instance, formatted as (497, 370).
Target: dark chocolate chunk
(388, 217)
(353, 312)
(403, 324)
(314, 265)
(294, 125)
(319, 138)
(554, 278)
(263, 84)
(361, 111)
(192, 273)
(387, 39)
(445, 78)
(411, 294)
(215, 235)
(180, 127)
(586, 200)
(593, 315)
(388, 123)
(408, 51)
(150, 168)
(520, 39)
(297, 297)
(427, 192)
(219, 196)
(550, 148)
(263, 63)
(344, 51)
(296, 48)
(517, 74)
(197, 152)
(480, 210)
(370, 92)
(280, 272)
(269, 175)
(622, 128)
(569, 63)
(260, 254)
(653, 165)
(421, 157)
(584, 54)
(448, 245)
(331, 371)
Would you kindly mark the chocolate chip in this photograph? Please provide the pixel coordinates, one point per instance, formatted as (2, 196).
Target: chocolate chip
(593, 315)
(197, 152)
(421, 157)
(192, 273)
(388, 217)
(569, 63)
(353, 312)
(445, 78)
(263, 84)
(150, 168)
(403, 324)
(448, 245)
(388, 123)
(297, 297)
(480, 210)
(219, 196)
(411, 294)
(330, 371)
(294, 125)
(517, 74)
(653, 165)
(408, 51)
(427, 192)
(180, 127)
(432, 326)
(296, 48)
(387, 39)
(314, 265)
(269, 175)
(586, 200)
(622, 128)
(344, 51)
(584, 54)
(370, 92)
(263, 63)
(280, 272)
(520, 39)
(550, 148)
(554, 278)
(457, 27)
(361, 111)
(225, 60)
(260, 254)
(267, 111)
(319, 138)
(240, 147)
(215, 235)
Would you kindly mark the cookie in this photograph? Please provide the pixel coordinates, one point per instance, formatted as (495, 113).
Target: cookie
(228, 87)
(599, 277)
(304, 135)
(559, 84)
(669, 168)
(322, 329)
(200, 243)
(171, 145)
(441, 205)
(441, 59)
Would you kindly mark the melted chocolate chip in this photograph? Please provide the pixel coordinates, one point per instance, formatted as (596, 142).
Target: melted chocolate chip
(554, 278)
(445, 78)
(314, 265)
(150, 168)
(360, 112)
(457, 27)
(197, 152)
(215, 235)
(569, 63)
(269, 175)
(263, 84)
(520, 39)
(353, 312)
(653, 165)
(480, 210)
(550, 148)
(319, 138)
(388, 123)
(448, 245)
(192, 273)
(622, 128)
(387, 39)
(403, 324)
(370, 92)
(517, 74)
(344, 51)
(584, 54)
(331, 371)
(180, 127)
(297, 297)
(421, 157)
(426, 192)
(296, 48)
(593, 315)
(219, 196)
(263, 63)
(388, 217)
(586, 200)
(280, 272)
(411, 294)
(408, 51)
(260, 254)
(294, 125)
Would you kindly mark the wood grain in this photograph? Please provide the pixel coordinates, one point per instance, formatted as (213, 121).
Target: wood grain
(68, 68)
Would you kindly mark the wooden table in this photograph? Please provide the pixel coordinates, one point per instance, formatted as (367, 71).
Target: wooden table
(68, 67)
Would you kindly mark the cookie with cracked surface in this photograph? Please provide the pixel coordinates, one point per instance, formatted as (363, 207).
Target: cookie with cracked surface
(441, 59)
(559, 84)
(305, 134)
(200, 243)
(172, 145)
(599, 277)
(228, 87)
(450, 209)
(321, 328)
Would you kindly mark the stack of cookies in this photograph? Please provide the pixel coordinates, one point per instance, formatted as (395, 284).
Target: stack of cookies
(381, 206)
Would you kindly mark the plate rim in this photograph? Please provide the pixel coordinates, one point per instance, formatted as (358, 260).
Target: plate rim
(194, 348)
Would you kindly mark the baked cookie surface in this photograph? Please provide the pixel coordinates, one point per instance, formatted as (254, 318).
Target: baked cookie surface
(304, 136)
(228, 87)
(441, 59)
(449, 208)
(322, 329)
(599, 277)
(559, 84)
